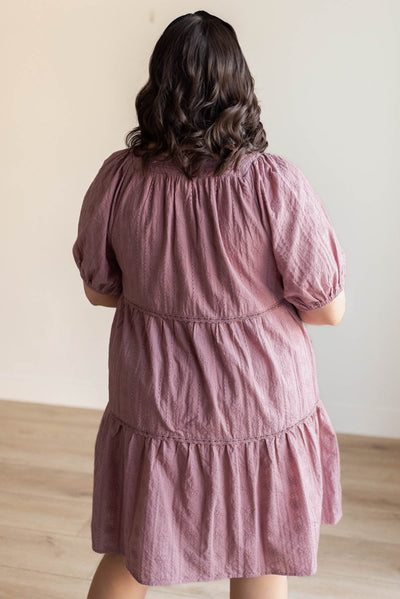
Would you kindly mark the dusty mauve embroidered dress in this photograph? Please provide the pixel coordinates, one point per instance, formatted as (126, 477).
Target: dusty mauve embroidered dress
(215, 457)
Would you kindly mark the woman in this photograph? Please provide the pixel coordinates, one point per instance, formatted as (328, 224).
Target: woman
(215, 457)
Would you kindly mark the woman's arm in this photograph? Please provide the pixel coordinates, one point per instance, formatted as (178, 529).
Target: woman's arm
(100, 299)
(331, 314)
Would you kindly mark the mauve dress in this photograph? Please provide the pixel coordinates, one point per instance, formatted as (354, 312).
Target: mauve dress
(215, 457)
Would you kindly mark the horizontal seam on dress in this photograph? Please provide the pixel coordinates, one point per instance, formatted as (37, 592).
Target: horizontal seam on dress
(202, 318)
(217, 441)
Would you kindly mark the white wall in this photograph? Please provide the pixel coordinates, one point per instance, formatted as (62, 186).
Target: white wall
(327, 77)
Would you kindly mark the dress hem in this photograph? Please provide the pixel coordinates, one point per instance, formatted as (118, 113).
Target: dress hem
(97, 548)
(221, 576)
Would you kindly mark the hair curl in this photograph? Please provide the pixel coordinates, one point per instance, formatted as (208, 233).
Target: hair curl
(199, 102)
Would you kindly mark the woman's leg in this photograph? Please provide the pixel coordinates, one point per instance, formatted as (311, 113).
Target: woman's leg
(270, 586)
(113, 581)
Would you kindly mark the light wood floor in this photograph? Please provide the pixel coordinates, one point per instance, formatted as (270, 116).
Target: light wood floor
(46, 459)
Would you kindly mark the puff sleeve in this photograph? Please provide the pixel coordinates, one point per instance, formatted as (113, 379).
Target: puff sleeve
(92, 250)
(307, 252)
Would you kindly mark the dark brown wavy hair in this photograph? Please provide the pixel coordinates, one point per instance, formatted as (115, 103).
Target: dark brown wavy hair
(199, 102)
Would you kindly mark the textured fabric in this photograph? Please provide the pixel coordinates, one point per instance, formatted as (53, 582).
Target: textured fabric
(215, 456)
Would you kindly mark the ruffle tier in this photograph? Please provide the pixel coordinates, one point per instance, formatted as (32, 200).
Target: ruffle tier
(199, 510)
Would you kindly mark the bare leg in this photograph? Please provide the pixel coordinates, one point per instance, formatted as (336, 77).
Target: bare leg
(270, 586)
(113, 581)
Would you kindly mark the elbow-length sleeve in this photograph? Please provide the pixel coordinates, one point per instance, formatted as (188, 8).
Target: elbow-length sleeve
(92, 251)
(307, 251)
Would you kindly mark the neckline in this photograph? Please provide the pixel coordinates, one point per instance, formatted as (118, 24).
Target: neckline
(169, 166)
